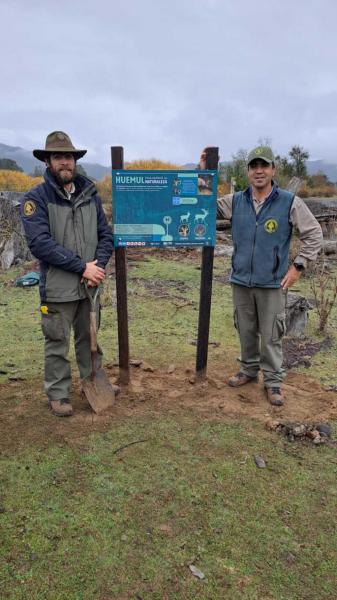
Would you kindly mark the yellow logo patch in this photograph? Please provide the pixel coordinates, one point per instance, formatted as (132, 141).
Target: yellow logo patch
(29, 208)
(271, 226)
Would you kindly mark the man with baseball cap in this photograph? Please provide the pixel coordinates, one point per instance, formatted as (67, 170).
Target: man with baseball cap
(66, 229)
(262, 218)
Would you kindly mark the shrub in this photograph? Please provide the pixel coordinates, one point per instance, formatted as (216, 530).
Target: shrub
(323, 191)
(14, 181)
(324, 289)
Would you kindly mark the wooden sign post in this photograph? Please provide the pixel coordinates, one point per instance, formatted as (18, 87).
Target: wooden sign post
(212, 160)
(117, 162)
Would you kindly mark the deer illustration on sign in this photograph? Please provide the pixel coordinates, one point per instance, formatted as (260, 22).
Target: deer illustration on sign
(184, 218)
(201, 217)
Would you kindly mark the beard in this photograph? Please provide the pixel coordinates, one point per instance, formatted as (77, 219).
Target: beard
(63, 175)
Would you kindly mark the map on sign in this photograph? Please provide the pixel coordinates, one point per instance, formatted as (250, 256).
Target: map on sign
(164, 208)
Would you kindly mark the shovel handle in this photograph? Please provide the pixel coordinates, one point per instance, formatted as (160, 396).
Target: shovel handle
(93, 332)
(91, 297)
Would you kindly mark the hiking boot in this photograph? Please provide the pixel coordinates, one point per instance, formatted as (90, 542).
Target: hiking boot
(61, 408)
(275, 396)
(240, 379)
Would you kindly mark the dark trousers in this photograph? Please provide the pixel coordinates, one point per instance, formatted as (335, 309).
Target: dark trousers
(259, 317)
(56, 327)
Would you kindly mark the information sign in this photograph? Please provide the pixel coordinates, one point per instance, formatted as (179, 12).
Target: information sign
(164, 208)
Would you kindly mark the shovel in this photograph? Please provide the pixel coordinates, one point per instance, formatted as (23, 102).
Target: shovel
(96, 387)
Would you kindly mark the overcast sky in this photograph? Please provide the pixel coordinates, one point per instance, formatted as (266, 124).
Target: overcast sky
(165, 78)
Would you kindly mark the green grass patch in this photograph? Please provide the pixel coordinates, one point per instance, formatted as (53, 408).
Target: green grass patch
(163, 303)
(93, 523)
(80, 521)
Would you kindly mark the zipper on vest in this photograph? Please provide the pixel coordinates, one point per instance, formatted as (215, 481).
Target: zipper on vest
(251, 260)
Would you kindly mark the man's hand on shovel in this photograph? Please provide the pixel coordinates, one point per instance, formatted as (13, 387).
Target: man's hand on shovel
(93, 274)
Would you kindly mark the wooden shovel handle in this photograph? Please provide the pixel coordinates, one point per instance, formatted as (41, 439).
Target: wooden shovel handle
(93, 332)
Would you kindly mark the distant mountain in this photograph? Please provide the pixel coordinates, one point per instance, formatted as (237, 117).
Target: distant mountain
(94, 170)
(190, 166)
(22, 157)
(329, 169)
(25, 160)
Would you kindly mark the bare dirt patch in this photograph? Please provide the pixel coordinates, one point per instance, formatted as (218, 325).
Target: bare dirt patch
(26, 420)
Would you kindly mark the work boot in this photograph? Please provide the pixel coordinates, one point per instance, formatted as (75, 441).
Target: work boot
(275, 396)
(61, 408)
(240, 379)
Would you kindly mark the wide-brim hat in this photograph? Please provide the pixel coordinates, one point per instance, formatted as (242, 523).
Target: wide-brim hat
(58, 141)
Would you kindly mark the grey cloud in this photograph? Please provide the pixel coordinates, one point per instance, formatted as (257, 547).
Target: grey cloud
(164, 79)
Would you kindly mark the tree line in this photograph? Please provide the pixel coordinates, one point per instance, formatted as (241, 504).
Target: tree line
(233, 175)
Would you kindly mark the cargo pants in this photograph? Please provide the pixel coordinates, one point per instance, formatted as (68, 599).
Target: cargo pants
(56, 324)
(259, 317)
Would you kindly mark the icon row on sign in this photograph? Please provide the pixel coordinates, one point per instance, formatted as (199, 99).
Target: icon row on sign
(184, 230)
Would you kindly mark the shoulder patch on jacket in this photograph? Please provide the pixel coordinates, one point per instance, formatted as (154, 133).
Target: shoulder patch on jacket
(29, 208)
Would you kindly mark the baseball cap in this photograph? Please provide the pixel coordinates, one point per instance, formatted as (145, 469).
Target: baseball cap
(263, 153)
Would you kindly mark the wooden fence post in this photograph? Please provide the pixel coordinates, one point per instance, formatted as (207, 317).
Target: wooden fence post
(212, 160)
(117, 162)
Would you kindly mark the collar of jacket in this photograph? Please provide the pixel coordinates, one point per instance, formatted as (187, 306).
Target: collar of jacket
(274, 192)
(83, 186)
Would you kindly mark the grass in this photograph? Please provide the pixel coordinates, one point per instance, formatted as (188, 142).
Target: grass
(89, 523)
(163, 302)
(166, 321)
(80, 521)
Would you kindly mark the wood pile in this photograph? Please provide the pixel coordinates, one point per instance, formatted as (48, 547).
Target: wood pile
(13, 246)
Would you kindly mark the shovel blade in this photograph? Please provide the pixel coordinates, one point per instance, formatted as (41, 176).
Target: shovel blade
(98, 391)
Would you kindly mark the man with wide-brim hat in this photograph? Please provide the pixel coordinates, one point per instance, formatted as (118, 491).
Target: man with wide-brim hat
(66, 229)
(262, 218)
(58, 142)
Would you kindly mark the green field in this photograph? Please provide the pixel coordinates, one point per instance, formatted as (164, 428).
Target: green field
(86, 513)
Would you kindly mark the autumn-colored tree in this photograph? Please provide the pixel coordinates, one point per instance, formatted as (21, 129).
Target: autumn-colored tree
(152, 164)
(319, 179)
(104, 187)
(14, 181)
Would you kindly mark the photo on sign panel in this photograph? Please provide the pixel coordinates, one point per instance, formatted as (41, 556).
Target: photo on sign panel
(205, 184)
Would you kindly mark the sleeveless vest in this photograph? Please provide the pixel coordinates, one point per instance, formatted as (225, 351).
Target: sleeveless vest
(261, 241)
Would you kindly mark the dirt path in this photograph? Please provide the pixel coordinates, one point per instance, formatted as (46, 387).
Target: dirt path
(26, 420)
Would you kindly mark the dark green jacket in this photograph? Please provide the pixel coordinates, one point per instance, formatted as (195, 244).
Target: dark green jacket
(64, 235)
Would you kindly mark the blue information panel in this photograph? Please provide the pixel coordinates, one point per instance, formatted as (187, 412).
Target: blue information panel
(164, 208)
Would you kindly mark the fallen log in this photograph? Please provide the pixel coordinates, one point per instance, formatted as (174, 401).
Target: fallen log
(222, 224)
(329, 246)
(322, 208)
(297, 314)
